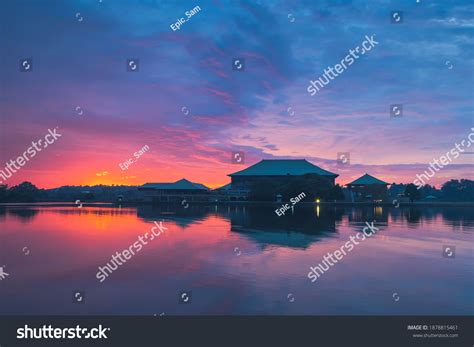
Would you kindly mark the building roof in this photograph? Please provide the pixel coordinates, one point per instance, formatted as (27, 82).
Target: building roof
(367, 180)
(283, 167)
(182, 184)
(228, 186)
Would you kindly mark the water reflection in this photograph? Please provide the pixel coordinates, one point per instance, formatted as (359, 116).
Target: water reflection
(273, 256)
(306, 219)
(261, 224)
(24, 215)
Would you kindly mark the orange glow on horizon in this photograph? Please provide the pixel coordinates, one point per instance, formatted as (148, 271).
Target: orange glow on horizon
(214, 174)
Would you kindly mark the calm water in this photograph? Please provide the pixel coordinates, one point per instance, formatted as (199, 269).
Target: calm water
(236, 260)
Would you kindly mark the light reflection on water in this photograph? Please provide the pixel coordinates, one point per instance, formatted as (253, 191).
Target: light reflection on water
(197, 253)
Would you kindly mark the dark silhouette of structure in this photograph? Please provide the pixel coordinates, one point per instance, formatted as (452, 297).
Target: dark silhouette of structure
(368, 188)
(277, 171)
(182, 191)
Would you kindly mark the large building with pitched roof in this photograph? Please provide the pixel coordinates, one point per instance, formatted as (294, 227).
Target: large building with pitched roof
(280, 171)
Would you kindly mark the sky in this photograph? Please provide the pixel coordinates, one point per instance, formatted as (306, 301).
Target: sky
(192, 109)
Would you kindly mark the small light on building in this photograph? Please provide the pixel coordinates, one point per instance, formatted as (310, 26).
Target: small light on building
(378, 210)
(318, 201)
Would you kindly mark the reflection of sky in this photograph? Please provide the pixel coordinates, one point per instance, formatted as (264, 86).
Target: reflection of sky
(68, 244)
(83, 64)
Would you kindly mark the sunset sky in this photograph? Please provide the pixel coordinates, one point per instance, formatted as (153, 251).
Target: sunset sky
(79, 51)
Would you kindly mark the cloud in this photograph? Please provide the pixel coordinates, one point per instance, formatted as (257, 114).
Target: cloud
(84, 64)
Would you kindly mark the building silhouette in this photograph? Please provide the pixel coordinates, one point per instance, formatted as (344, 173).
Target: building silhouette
(179, 191)
(368, 188)
(279, 171)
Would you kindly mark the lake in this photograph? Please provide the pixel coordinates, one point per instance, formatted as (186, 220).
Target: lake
(236, 260)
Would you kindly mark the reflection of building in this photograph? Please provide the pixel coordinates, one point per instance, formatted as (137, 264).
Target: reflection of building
(278, 171)
(301, 227)
(174, 192)
(177, 213)
(368, 188)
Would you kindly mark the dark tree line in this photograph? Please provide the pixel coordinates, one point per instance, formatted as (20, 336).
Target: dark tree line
(458, 190)
(453, 190)
(313, 186)
(27, 192)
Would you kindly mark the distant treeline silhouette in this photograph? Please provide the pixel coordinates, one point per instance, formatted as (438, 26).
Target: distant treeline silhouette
(453, 190)
(28, 192)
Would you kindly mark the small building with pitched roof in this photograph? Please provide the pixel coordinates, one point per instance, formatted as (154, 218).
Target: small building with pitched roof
(368, 188)
(174, 192)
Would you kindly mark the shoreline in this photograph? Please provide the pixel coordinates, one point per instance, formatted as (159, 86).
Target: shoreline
(343, 204)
